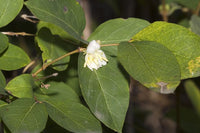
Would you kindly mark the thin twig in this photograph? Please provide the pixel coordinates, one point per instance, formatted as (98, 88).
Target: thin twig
(105, 45)
(46, 65)
(17, 34)
(164, 11)
(28, 66)
(29, 18)
(197, 9)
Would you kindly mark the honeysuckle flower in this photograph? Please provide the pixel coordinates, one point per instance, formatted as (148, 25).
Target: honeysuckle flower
(94, 58)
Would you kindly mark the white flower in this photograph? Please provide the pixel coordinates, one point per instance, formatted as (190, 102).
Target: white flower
(95, 58)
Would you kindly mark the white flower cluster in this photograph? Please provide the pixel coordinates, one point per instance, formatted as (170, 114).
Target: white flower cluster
(95, 58)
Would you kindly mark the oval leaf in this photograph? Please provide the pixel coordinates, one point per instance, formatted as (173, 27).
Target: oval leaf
(6, 14)
(13, 58)
(72, 116)
(152, 64)
(2, 83)
(67, 14)
(105, 90)
(21, 86)
(3, 42)
(65, 108)
(25, 116)
(53, 47)
(183, 43)
(118, 30)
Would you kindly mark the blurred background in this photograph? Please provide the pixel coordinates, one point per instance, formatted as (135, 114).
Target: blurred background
(149, 112)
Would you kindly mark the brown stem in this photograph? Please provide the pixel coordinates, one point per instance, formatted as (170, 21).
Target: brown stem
(104, 45)
(197, 9)
(17, 34)
(46, 65)
(164, 11)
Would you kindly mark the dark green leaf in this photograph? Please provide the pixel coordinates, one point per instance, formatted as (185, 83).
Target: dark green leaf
(192, 4)
(118, 30)
(9, 10)
(105, 90)
(58, 90)
(152, 64)
(52, 127)
(53, 47)
(67, 14)
(21, 86)
(65, 108)
(3, 42)
(183, 43)
(195, 24)
(13, 58)
(71, 75)
(56, 30)
(72, 116)
(2, 83)
(25, 115)
(194, 94)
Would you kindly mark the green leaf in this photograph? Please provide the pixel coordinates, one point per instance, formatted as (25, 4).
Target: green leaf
(194, 94)
(52, 127)
(72, 116)
(56, 30)
(71, 75)
(64, 107)
(67, 14)
(3, 42)
(192, 4)
(151, 64)
(183, 43)
(58, 90)
(25, 115)
(13, 58)
(53, 47)
(118, 30)
(21, 86)
(9, 10)
(2, 103)
(2, 83)
(105, 90)
(195, 24)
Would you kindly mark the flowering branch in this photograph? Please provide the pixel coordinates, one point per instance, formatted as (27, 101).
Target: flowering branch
(46, 65)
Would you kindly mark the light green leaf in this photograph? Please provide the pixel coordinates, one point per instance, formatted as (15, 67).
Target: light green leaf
(118, 30)
(13, 58)
(2, 83)
(151, 64)
(21, 86)
(72, 116)
(194, 94)
(183, 43)
(9, 10)
(25, 115)
(53, 47)
(195, 24)
(3, 42)
(105, 90)
(67, 14)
